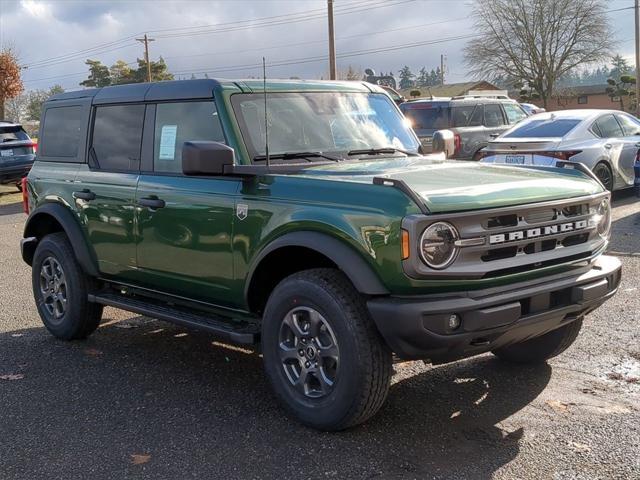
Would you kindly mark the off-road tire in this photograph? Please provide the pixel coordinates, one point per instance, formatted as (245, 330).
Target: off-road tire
(542, 348)
(80, 317)
(364, 373)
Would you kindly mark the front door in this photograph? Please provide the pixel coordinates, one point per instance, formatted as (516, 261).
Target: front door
(106, 185)
(185, 223)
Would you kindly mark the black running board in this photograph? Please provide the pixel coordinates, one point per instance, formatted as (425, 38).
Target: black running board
(242, 333)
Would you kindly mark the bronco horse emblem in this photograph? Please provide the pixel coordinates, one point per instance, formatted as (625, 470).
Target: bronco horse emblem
(242, 210)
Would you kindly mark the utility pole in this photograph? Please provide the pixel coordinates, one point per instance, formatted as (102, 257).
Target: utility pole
(637, 17)
(442, 68)
(332, 43)
(146, 41)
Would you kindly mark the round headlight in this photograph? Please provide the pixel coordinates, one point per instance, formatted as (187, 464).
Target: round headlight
(603, 218)
(437, 245)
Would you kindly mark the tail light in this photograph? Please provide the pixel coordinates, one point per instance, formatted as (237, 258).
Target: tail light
(34, 145)
(638, 157)
(25, 196)
(457, 143)
(559, 154)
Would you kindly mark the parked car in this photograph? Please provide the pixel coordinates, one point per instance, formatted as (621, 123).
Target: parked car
(606, 141)
(17, 153)
(473, 121)
(532, 109)
(395, 96)
(334, 250)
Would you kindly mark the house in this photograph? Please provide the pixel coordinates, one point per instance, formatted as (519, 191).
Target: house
(585, 96)
(450, 89)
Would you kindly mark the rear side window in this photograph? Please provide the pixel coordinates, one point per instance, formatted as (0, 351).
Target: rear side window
(544, 128)
(514, 113)
(630, 126)
(461, 115)
(177, 123)
(425, 116)
(117, 137)
(61, 132)
(608, 127)
(12, 134)
(493, 115)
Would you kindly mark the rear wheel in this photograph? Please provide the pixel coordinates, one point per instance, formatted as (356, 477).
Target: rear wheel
(60, 289)
(323, 355)
(604, 174)
(542, 348)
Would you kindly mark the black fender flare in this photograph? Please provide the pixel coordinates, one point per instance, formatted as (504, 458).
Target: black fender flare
(71, 227)
(359, 272)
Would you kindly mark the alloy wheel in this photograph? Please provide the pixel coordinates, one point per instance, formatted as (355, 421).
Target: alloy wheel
(309, 352)
(53, 287)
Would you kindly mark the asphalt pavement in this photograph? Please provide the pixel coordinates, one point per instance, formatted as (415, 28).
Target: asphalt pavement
(144, 399)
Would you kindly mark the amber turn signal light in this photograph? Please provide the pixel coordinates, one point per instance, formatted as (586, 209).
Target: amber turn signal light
(405, 244)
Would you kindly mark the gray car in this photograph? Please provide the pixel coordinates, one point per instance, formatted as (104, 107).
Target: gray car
(472, 120)
(606, 141)
(17, 152)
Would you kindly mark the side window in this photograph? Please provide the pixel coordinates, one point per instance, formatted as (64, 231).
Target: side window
(177, 123)
(514, 113)
(460, 115)
(493, 115)
(630, 126)
(609, 127)
(117, 137)
(477, 116)
(61, 132)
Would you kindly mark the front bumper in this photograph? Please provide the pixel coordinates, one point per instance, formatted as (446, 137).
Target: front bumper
(417, 328)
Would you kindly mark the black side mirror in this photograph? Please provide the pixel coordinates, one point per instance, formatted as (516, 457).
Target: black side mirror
(494, 135)
(206, 158)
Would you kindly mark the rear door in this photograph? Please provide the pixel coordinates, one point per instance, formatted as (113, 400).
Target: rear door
(631, 146)
(184, 222)
(106, 185)
(614, 142)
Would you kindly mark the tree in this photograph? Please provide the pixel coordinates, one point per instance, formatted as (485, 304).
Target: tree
(538, 41)
(120, 73)
(351, 73)
(621, 88)
(406, 77)
(98, 74)
(423, 78)
(10, 81)
(620, 67)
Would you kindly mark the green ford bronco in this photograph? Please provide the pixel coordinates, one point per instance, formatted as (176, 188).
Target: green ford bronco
(300, 216)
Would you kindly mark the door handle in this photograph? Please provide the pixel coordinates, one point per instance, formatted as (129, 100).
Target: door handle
(85, 195)
(151, 202)
(607, 145)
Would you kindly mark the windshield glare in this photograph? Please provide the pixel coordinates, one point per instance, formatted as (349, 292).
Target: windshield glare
(327, 122)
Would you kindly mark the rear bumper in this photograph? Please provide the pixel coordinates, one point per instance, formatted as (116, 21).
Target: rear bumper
(14, 173)
(417, 328)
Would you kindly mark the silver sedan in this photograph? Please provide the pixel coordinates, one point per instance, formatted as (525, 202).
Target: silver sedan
(606, 141)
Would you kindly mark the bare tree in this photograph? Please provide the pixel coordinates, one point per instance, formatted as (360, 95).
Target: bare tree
(537, 41)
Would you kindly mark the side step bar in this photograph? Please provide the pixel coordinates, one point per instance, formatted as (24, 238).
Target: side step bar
(242, 333)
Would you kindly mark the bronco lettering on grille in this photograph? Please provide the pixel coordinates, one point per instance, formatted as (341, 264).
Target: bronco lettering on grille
(537, 232)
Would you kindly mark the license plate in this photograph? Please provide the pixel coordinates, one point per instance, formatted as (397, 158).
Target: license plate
(517, 159)
(8, 152)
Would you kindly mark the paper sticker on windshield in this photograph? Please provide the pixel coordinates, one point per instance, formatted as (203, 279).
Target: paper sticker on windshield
(168, 142)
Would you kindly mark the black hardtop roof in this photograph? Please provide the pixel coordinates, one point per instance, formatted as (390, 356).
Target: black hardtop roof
(138, 92)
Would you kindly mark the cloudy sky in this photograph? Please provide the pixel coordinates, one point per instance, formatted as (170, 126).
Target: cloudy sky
(229, 38)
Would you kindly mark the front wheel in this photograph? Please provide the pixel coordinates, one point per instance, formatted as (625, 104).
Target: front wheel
(542, 348)
(323, 355)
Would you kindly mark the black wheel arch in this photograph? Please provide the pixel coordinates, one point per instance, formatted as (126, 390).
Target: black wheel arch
(334, 252)
(54, 217)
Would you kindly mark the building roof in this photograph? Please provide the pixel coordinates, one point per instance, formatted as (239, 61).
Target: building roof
(451, 89)
(581, 90)
(204, 88)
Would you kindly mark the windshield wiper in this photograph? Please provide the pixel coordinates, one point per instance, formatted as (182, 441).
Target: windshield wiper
(292, 155)
(381, 151)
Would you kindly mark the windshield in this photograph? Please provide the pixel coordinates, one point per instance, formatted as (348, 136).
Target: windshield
(543, 127)
(326, 122)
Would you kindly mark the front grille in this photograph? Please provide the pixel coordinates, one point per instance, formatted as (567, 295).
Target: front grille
(516, 239)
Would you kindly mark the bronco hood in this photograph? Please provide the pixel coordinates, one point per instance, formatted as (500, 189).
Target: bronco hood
(448, 186)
